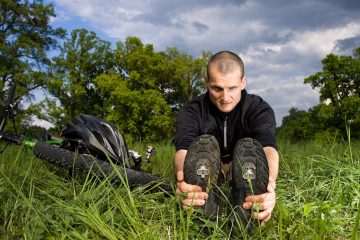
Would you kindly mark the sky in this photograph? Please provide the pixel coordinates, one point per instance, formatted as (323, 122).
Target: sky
(280, 41)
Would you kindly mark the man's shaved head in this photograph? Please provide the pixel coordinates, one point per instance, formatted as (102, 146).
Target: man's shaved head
(225, 62)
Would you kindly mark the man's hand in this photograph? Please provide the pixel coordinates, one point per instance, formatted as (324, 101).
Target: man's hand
(263, 204)
(192, 195)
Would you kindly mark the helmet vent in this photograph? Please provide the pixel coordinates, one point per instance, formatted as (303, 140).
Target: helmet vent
(98, 137)
(106, 129)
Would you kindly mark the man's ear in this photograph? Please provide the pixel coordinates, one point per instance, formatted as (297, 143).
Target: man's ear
(243, 83)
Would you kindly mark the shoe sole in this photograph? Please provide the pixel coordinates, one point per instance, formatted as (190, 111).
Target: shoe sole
(202, 168)
(250, 175)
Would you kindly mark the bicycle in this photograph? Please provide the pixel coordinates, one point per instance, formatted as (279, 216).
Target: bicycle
(75, 153)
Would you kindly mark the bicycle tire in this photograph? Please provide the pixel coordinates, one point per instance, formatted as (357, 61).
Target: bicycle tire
(84, 163)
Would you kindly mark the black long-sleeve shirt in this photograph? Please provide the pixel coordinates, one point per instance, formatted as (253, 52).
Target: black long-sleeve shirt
(251, 117)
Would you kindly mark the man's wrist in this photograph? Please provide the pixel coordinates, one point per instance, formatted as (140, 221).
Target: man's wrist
(180, 181)
(271, 185)
(179, 176)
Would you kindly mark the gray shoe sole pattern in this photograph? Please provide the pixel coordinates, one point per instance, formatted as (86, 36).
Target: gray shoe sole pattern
(202, 168)
(250, 175)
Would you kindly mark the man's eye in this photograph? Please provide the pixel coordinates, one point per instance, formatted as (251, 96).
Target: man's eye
(217, 89)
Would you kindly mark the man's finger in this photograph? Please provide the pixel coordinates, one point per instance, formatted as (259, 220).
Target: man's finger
(262, 206)
(192, 202)
(268, 196)
(197, 195)
(256, 198)
(184, 187)
(265, 220)
(258, 206)
(262, 215)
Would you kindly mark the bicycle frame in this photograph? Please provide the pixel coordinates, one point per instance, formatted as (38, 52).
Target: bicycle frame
(9, 108)
(10, 112)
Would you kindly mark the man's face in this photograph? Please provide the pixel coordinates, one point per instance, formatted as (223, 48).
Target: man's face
(225, 89)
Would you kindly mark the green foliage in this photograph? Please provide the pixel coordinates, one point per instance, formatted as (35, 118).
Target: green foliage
(25, 38)
(133, 86)
(49, 110)
(187, 77)
(329, 135)
(297, 126)
(317, 198)
(319, 179)
(339, 86)
(174, 73)
(142, 114)
(82, 58)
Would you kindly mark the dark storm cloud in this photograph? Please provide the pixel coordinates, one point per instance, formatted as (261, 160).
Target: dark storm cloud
(281, 41)
(161, 12)
(307, 14)
(200, 27)
(349, 5)
(347, 45)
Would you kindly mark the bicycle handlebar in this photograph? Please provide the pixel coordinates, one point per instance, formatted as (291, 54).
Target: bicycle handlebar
(13, 138)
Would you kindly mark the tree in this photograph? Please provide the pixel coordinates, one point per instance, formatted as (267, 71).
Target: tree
(25, 39)
(142, 114)
(297, 126)
(187, 80)
(137, 63)
(174, 73)
(339, 80)
(339, 107)
(82, 58)
(48, 110)
(133, 86)
(147, 84)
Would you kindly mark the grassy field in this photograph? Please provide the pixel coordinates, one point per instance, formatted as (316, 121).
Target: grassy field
(318, 197)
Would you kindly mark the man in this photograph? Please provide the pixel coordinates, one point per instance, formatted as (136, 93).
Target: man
(227, 135)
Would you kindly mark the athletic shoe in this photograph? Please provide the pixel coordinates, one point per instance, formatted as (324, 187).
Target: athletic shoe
(250, 176)
(202, 168)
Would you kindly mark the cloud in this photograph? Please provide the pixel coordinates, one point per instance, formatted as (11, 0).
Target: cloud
(42, 123)
(281, 41)
(323, 42)
(283, 94)
(209, 24)
(346, 45)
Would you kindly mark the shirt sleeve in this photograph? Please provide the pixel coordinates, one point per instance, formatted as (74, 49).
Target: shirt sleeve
(261, 120)
(186, 127)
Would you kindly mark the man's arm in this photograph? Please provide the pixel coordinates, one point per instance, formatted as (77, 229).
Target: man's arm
(266, 200)
(179, 160)
(272, 157)
(192, 194)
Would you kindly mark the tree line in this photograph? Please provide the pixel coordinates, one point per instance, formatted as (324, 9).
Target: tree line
(136, 87)
(337, 116)
(132, 85)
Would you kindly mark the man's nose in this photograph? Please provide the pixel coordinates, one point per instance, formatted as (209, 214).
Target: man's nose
(225, 95)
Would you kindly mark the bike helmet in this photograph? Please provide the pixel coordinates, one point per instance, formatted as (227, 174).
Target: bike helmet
(99, 137)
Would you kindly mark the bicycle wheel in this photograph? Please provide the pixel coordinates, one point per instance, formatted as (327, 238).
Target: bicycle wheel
(84, 163)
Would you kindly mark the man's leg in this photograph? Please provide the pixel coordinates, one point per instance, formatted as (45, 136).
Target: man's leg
(202, 168)
(250, 176)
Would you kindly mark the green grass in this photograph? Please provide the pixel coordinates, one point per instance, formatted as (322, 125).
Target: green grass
(318, 197)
